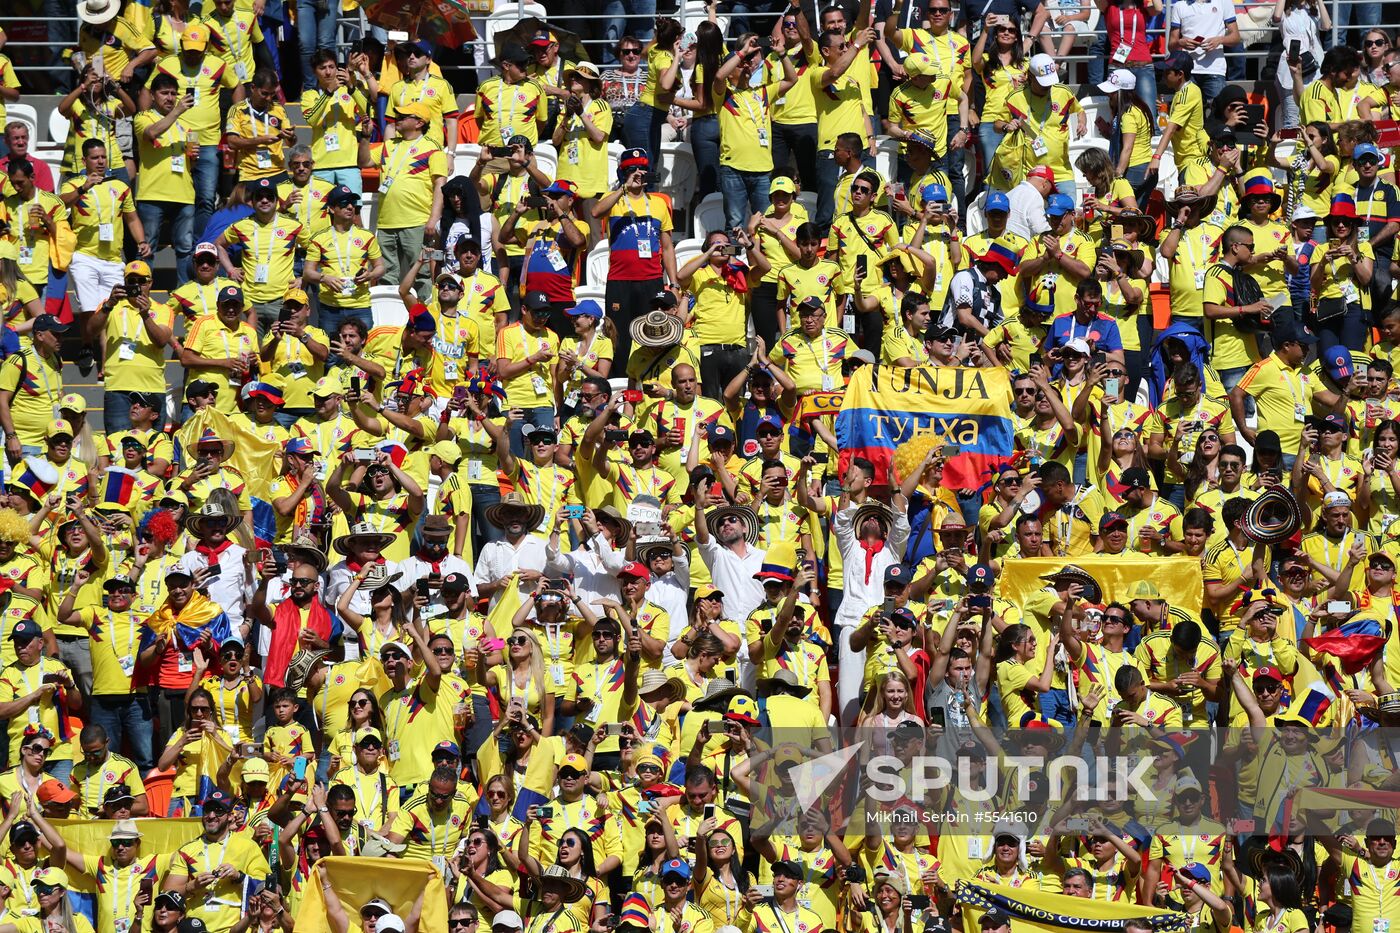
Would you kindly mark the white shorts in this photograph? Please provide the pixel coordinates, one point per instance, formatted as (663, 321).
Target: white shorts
(93, 280)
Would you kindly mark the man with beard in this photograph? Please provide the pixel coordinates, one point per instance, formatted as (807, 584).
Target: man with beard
(871, 537)
(431, 562)
(210, 872)
(723, 535)
(521, 555)
(299, 623)
(671, 415)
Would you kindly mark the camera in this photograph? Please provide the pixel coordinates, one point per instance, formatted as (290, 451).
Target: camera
(536, 202)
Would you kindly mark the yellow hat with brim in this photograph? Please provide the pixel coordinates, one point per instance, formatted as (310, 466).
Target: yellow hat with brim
(195, 38)
(415, 109)
(255, 769)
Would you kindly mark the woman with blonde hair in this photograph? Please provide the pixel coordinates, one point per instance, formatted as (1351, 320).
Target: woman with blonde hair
(587, 354)
(520, 681)
(888, 706)
(1110, 193)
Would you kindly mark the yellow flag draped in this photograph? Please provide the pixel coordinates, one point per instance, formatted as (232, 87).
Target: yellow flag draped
(90, 838)
(357, 880)
(504, 611)
(1178, 579)
(1055, 913)
(256, 458)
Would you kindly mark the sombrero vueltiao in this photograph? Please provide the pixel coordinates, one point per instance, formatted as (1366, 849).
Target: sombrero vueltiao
(657, 329)
(209, 516)
(746, 516)
(363, 531)
(513, 508)
(1070, 573)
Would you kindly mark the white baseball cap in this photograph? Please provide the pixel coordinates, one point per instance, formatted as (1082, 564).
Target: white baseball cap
(1120, 80)
(1046, 72)
(390, 923)
(508, 919)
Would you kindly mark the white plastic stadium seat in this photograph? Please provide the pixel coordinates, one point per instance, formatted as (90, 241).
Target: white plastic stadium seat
(687, 250)
(976, 214)
(614, 156)
(506, 15)
(547, 158)
(887, 157)
(808, 199)
(386, 307)
(693, 14)
(677, 175)
(709, 215)
(597, 292)
(1095, 107)
(51, 157)
(464, 158)
(58, 127)
(26, 114)
(597, 263)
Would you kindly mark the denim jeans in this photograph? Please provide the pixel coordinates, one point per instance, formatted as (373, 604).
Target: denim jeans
(1210, 85)
(272, 19)
(795, 144)
(1229, 378)
(704, 142)
(315, 31)
(349, 177)
(176, 222)
(62, 32)
(206, 187)
(988, 139)
(1366, 16)
(1146, 85)
(59, 770)
(639, 26)
(116, 411)
(128, 717)
(542, 417)
(1098, 59)
(641, 128)
(952, 162)
(1347, 329)
(745, 193)
(287, 417)
(1054, 704)
(484, 496)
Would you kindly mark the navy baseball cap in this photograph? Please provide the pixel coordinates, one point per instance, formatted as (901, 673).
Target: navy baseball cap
(341, 194)
(1338, 362)
(26, 630)
(979, 575)
(230, 293)
(446, 748)
(897, 573)
(769, 421)
(720, 433)
(218, 800)
(263, 187)
(1177, 61)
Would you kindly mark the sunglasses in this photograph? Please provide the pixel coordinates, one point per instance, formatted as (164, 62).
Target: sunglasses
(862, 190)
(518, 640)
(123, 843)
(1376, 42)
(41, 750)
(631, 51)
(393, 656)
(371, 745)
(443, 652)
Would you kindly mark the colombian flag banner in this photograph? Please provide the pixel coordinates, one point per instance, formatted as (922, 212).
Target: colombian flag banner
(1178, 579)
(886, 406)
(1054, 913)
(401, 882)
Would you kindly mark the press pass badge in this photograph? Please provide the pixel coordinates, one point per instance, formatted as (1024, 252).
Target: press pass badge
(1039, 147)
(1120, 54)
(1200, 279)
(393, 749)
(106, 233)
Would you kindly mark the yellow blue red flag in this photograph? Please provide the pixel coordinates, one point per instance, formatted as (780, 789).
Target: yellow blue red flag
(887, 406)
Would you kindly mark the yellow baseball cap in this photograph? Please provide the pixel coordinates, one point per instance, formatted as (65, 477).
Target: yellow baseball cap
(255, 769)
(782, 184)
(297, 296)
(415, 109)
(137, 267)
(195, 38)
(57, 428)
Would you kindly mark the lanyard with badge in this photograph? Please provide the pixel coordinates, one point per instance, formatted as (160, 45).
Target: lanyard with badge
(1038, 144)
(1126, 40)
(391, 748)
(536, 380)
(127, 658)
(1342, 549)
(506, 122)
(124, 902)
(262, 263)
(755, 112)
(344, 261)
(1300, 406)
(554, 637)
(398, 160)
(106, 231)
(236, 46)
(643, 232)
(26, 250)
(823, 361)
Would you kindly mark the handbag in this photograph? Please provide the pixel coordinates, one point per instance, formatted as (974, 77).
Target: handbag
(1328, 308)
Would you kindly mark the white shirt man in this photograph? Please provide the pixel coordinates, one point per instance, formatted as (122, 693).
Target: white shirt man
(1027, 216)
(1204, 19)
(865, 588)
(232, 588)
(501, 558)
(594, 568)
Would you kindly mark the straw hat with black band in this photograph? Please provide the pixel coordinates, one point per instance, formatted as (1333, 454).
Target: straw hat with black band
(512, 509)
(557, 878)
(610, 515)
(745, 514)
(366, 536)
(1070, 573)
(718, 693)
(657, 329)
(210, 518)
(876, 510)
